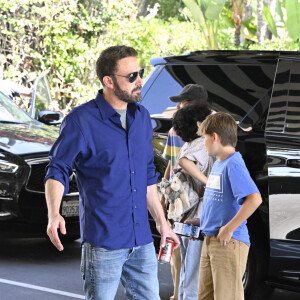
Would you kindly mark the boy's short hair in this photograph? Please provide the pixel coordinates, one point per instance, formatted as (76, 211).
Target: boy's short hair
(224, 125)
(106, 64)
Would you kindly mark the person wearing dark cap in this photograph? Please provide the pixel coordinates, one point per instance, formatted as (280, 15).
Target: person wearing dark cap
(189, 95)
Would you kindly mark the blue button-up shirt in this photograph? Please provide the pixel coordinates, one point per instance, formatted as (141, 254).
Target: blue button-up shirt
(114, 168)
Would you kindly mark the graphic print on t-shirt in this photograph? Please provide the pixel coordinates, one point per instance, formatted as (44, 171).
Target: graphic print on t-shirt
(214, 187)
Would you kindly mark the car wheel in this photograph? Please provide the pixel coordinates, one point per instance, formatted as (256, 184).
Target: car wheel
(256, 274)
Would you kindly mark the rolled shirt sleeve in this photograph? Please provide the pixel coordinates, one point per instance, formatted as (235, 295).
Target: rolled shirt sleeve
(64, 152)
(152, 176)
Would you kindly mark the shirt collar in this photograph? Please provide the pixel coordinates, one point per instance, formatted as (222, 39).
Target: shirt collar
(107, 111)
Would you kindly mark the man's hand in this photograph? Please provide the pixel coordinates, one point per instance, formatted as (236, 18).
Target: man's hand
(53, 224)
(224, 235)
(166, 232)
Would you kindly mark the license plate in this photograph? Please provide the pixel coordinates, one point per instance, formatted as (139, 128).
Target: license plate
(70, 208)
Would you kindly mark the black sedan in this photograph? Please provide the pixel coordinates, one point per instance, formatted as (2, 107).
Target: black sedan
(25, 141)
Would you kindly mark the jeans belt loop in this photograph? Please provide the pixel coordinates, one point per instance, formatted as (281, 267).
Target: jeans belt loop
(90, 253)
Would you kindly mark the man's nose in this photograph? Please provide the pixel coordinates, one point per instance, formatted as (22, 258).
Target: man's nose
(139, 80)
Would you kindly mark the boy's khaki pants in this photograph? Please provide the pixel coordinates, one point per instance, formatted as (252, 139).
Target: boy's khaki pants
(222, 269)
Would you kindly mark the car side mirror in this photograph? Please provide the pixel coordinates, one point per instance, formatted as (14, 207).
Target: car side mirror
(50, 117)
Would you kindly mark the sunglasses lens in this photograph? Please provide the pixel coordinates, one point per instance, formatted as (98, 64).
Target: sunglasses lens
(133, 77)
(141, 73)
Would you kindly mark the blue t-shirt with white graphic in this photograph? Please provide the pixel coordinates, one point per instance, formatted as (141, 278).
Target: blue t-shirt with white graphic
(229, 183)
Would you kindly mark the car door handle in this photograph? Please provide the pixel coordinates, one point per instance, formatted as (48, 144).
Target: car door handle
(293, 163)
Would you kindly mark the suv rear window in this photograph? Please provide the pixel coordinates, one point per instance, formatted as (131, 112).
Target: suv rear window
(241, 90)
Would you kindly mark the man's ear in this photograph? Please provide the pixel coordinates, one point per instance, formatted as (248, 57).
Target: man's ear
(108, 82)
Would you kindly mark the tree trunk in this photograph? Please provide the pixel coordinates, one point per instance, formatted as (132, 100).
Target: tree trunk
(260, 22)
(248, 9)
(237, 36)
(247, 15)
(143, 8)
(272, 6)
(237, 18)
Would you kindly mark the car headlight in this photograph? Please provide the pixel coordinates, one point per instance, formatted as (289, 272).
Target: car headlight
(6, 167)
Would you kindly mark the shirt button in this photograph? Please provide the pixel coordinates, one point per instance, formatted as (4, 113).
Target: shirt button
(132, 172)
(135, 207)
(134, 190)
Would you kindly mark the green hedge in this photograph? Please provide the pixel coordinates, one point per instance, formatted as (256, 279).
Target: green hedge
(64, 39)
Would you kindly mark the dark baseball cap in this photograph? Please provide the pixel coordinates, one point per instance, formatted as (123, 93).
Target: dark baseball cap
(191, 92)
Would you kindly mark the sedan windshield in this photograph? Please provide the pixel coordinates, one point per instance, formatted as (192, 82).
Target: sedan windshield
(12, 113)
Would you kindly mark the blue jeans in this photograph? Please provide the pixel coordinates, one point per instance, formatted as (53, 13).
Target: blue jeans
(190, 264)
(103, 269)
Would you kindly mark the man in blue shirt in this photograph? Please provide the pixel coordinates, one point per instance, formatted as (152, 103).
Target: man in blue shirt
(109, 142)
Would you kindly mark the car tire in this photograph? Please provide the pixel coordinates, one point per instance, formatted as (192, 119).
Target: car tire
(256, 274)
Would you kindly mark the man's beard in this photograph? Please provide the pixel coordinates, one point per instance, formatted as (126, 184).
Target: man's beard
(125, 96)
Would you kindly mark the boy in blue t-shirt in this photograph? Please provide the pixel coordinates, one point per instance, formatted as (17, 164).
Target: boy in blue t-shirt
(230, 198)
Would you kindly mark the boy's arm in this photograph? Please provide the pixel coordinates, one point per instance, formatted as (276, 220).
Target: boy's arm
(167, 171)
(251, 203)
(190, 167)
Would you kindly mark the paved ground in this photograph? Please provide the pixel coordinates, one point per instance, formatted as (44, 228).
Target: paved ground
(33, 269)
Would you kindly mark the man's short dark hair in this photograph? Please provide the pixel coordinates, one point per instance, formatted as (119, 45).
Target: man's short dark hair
(185, 120)
(107, 62)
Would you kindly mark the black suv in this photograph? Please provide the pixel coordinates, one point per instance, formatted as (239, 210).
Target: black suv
(25, 142)
(261, 90)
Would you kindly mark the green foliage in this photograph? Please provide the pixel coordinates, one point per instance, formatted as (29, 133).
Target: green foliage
(64, 41)
(65, 38)
(269, 18)
(277, 44)
(206, 14)
(293, 18)
(154, 37)
(168, 9)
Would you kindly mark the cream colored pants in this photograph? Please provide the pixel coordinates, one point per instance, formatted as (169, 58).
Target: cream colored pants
(175, 269)
(222, 269)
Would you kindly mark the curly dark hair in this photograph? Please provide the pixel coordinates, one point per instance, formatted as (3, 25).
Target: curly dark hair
(106, 64)
(185, 120)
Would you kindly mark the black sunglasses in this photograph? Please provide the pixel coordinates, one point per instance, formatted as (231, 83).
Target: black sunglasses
(133, 76)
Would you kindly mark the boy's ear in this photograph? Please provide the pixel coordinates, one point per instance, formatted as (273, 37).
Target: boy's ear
(216, 137)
